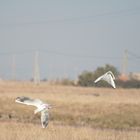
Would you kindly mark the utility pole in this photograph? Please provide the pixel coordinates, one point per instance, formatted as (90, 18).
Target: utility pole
(36, 68)
(125, 63)
(124, 76)
(13, 67)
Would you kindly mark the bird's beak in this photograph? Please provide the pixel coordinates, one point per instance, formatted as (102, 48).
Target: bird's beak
(50, 106)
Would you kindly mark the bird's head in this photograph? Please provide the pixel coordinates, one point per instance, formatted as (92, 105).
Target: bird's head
(47, 106)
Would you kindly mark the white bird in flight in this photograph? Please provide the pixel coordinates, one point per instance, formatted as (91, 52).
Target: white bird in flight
(41, 107)
(108, 77)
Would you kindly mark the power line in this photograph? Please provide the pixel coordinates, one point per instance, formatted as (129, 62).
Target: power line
(69, 19)
(77, 55)
(16, 52)
(65, 54)
(134, 55)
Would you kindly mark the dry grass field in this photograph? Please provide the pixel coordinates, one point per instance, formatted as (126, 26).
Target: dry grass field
(80, 113)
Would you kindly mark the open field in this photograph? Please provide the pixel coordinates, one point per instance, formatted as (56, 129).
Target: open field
(20, 131)
(80, 113)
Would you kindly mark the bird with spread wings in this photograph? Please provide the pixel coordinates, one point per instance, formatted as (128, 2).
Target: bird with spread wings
(41, 107)
(108, 77)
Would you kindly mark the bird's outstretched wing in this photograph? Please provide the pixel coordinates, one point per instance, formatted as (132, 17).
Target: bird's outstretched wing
(44, 118)
(28, 101)
(108, 77)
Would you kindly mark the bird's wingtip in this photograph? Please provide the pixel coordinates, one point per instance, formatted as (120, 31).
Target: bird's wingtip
(16, 99)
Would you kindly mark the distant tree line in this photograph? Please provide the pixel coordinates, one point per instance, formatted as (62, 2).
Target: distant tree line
(87, 78)
(128, 84)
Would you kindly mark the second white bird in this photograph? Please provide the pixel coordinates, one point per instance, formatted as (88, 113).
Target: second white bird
(108, 77)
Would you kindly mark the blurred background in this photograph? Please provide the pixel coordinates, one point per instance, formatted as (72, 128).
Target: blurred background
(45, 44)
(53, 40)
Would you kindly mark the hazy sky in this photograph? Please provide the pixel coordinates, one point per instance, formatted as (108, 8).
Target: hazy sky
(70, 35)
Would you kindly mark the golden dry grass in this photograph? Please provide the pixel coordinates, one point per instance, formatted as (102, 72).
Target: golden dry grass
(80, 113)
(20, 131)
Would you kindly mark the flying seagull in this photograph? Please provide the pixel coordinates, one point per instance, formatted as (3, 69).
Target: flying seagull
(41, 107)
(108, 77)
